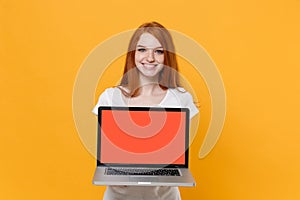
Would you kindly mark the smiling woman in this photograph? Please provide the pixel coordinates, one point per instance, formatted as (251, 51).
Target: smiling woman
(150, 78)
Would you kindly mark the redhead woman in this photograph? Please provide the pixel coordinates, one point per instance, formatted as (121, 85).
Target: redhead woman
(150, 78)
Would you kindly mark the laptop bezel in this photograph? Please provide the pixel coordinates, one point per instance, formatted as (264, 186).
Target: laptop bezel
(131, 108)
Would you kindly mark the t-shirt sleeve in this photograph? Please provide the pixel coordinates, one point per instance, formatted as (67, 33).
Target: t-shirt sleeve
(189, 103)
(103, 100)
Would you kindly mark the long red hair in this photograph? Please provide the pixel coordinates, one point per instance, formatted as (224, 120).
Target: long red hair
(168, 77)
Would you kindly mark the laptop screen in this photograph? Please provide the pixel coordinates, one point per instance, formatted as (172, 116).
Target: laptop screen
(143, 135)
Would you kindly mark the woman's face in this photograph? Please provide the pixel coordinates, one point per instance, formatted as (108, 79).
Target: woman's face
(149, 55)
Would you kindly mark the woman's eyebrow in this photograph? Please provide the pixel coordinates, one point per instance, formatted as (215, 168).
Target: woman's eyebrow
(147, 47)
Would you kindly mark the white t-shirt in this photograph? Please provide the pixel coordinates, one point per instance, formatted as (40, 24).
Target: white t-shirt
(173, 98)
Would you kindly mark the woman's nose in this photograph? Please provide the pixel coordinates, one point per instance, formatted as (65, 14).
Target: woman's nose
(150, 56)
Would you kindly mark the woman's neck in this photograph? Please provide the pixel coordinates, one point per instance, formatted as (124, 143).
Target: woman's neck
(149, 85)
(150, 89)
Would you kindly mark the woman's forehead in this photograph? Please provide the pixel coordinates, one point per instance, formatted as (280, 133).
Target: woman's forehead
(149, 41)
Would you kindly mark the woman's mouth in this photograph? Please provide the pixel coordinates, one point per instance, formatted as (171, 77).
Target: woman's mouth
(149, 66)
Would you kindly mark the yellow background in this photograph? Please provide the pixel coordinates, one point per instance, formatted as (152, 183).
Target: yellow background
(255, 45)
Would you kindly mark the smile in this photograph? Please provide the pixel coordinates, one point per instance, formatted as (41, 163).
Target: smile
(149, 66)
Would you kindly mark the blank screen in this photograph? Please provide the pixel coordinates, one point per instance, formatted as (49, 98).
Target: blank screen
(142, 137)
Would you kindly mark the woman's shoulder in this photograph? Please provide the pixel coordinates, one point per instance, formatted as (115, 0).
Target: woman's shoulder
(181, 95)
(118, 88)
(109, 97)
(110, 90)
(184, 98)
(180, 92)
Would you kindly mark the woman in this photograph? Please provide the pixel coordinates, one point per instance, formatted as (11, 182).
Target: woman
(150, 79)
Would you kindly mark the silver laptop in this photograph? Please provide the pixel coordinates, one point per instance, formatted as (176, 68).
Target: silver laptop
(145, 146)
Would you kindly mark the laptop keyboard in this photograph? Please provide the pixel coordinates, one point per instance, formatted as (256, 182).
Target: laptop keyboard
(142, 171)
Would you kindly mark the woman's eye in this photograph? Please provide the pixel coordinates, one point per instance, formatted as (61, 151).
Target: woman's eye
(141, 49)
(159, 51)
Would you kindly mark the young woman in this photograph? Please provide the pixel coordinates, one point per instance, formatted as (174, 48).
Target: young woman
(150, 78)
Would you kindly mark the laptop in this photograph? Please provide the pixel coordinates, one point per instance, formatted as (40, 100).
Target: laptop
(143, 146)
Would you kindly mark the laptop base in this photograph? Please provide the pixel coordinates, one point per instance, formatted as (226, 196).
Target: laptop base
(186, 179)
